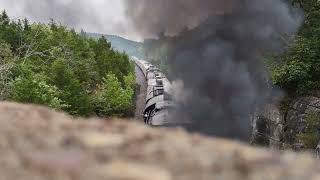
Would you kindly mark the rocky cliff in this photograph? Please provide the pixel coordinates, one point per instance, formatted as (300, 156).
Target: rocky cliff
(268, 126)
(36, 143)
(285, 129)
(297, 119)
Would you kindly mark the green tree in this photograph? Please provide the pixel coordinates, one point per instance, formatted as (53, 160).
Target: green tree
(103, 56)
(112, 98)
(72, 92)
(6, 65)
(298, 70)
(34, 89)
(4, 18)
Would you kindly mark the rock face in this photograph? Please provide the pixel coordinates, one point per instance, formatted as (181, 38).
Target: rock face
(296, 118)
(36, 143)
(268, 126)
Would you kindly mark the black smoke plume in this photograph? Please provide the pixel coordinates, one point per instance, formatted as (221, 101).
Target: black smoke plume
(219, 61)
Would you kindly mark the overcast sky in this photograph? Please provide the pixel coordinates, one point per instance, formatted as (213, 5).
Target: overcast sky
(102, 16)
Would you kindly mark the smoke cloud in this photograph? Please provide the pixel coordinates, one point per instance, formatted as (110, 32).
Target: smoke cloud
(218, 62)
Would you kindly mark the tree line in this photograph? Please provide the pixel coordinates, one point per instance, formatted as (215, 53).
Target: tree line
(52, 65)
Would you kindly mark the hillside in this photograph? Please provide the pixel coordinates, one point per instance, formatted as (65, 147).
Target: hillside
(52, 65)
(132, 48)
(153, 50)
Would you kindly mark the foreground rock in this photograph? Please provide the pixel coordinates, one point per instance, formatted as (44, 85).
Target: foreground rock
(36, 143)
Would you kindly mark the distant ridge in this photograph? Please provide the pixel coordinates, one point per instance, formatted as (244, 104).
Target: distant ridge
(132, 48)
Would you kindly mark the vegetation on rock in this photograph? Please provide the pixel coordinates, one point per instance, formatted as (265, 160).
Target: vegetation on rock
(311, 136)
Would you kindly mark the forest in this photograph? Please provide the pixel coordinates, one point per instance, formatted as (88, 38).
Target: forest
(53, 65)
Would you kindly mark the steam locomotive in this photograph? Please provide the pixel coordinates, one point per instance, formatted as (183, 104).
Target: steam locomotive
(159, 95)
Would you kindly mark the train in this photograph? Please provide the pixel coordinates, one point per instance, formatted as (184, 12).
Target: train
(159, 103)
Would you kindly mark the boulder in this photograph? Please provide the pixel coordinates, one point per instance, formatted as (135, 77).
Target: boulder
(37, 143)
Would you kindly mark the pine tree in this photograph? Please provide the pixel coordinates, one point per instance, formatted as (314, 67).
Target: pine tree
(4, 18)
(26, 25)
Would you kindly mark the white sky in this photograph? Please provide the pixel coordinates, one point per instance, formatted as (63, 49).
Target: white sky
(101, 16)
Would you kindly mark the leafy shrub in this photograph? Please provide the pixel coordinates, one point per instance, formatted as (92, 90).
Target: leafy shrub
(112, 98)
(34, 89)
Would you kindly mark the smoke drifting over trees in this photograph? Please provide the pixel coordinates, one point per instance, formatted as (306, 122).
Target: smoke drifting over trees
(219, 61)
(71, 12)
(102, 16)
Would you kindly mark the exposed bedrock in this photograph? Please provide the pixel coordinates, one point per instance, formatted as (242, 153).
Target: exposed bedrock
(268, 126)
(277, 129)
(296, 119)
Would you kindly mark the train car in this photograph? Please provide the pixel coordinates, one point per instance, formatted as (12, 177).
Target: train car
(159, 95)
(143, 65)
(159, 116)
